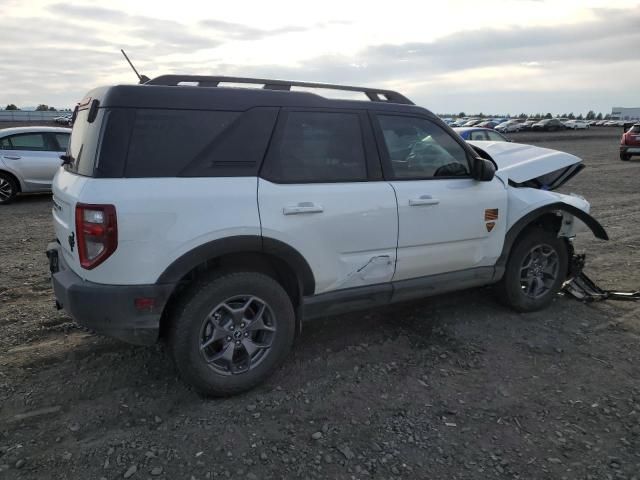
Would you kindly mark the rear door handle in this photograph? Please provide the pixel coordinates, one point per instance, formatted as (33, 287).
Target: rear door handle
(302, 207)
(423, 200)
(11, 157)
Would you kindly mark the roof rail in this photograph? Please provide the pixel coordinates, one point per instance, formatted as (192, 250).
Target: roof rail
(374, 94)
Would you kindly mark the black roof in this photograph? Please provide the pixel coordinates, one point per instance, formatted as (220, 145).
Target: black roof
(166, 92)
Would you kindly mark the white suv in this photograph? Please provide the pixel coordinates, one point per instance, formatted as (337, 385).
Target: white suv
(219, 218)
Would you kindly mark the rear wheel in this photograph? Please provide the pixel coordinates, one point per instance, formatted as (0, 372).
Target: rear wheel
(8, 188)
(535, 271)
(231, 331)
(624, 157)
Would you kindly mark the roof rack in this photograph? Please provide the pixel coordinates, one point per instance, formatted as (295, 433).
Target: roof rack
(374, 94)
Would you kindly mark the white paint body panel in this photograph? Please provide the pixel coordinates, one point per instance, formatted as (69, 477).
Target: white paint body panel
(351, 242)
(452, 234)
(160, 219)
(351, 234)
(520, 162)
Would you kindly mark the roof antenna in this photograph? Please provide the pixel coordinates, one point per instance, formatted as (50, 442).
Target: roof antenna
(141, 78)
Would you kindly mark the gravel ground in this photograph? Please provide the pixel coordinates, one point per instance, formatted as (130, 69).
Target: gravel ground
(454, 387)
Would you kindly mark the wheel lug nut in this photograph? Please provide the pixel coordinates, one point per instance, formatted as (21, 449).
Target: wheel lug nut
(231, 327)
(246, 334)
(242, 325)
(237, 342)
(228, 339)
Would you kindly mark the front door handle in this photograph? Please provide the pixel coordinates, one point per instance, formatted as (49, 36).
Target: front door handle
(423, 200)
(302, 207)
(11, 157)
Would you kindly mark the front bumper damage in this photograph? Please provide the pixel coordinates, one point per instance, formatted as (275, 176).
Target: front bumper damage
(581, 287)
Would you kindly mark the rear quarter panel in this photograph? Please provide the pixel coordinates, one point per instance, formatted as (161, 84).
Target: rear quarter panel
(161, 219)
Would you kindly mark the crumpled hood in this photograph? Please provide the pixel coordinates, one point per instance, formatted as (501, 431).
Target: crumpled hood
(523, 163)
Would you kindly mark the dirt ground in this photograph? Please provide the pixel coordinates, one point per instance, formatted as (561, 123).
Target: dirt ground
(454, 387)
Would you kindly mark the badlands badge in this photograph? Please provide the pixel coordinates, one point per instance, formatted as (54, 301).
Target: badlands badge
(490, 217)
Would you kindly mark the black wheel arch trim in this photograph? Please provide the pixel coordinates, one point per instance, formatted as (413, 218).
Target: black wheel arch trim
(517, 228)
(241, 244)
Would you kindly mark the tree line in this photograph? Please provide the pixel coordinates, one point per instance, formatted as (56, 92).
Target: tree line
(40, 108)
(591, 115)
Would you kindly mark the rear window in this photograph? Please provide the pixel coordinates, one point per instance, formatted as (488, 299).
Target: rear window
(83, 143)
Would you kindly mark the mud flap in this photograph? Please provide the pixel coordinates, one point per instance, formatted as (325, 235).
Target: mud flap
(582, 288)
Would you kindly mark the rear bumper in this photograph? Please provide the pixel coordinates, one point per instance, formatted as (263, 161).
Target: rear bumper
(630, 149)
(108, 309)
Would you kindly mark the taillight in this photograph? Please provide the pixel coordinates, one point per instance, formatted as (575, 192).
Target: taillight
(97, 233)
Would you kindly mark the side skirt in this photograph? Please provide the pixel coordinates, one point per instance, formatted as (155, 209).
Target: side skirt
(370, 296)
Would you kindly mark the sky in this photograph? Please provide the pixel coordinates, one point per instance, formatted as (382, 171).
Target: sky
(508, 56)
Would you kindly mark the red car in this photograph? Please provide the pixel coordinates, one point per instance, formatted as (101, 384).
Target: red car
(630, 143)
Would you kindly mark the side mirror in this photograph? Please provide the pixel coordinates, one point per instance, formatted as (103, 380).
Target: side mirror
(483, 170)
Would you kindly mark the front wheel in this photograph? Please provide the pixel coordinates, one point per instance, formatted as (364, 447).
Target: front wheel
(535, 272)
(231, 331)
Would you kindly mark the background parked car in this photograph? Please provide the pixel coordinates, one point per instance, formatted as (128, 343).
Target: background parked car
(63, 119)
(509, 126)
(548, 125)
(577, 124)
(29, 158)
(526, 125)
(482, 134)
(630, 143)
(488, 124)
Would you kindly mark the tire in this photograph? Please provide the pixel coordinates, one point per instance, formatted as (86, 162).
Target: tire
(194, 328)
(625, 158)
(513, 287)
(8, 188)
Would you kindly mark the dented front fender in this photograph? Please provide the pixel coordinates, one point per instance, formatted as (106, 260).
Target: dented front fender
(530, 218)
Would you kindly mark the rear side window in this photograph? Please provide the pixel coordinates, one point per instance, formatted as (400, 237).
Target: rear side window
(164, 142)
(496, 137)
(316, 147)
(62, 141)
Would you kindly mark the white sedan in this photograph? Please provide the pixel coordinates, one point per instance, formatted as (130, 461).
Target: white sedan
(577, 124)
(509, 126)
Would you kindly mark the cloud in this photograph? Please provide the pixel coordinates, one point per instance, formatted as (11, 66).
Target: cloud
(59, 55)
(245, 32)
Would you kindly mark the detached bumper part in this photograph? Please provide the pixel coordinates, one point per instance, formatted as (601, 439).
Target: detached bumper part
(108, 309)
(581, 287)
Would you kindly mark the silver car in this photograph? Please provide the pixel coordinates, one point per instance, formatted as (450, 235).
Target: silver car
(29, 158)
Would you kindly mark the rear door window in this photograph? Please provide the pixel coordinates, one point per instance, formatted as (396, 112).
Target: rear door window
(29, 141)
(317, 147)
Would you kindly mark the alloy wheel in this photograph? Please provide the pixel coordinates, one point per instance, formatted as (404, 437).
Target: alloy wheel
(237, 334)
(6, 190)
(539, 271)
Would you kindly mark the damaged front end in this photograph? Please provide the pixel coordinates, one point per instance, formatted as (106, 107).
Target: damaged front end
(582, 288)
(531, 174)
